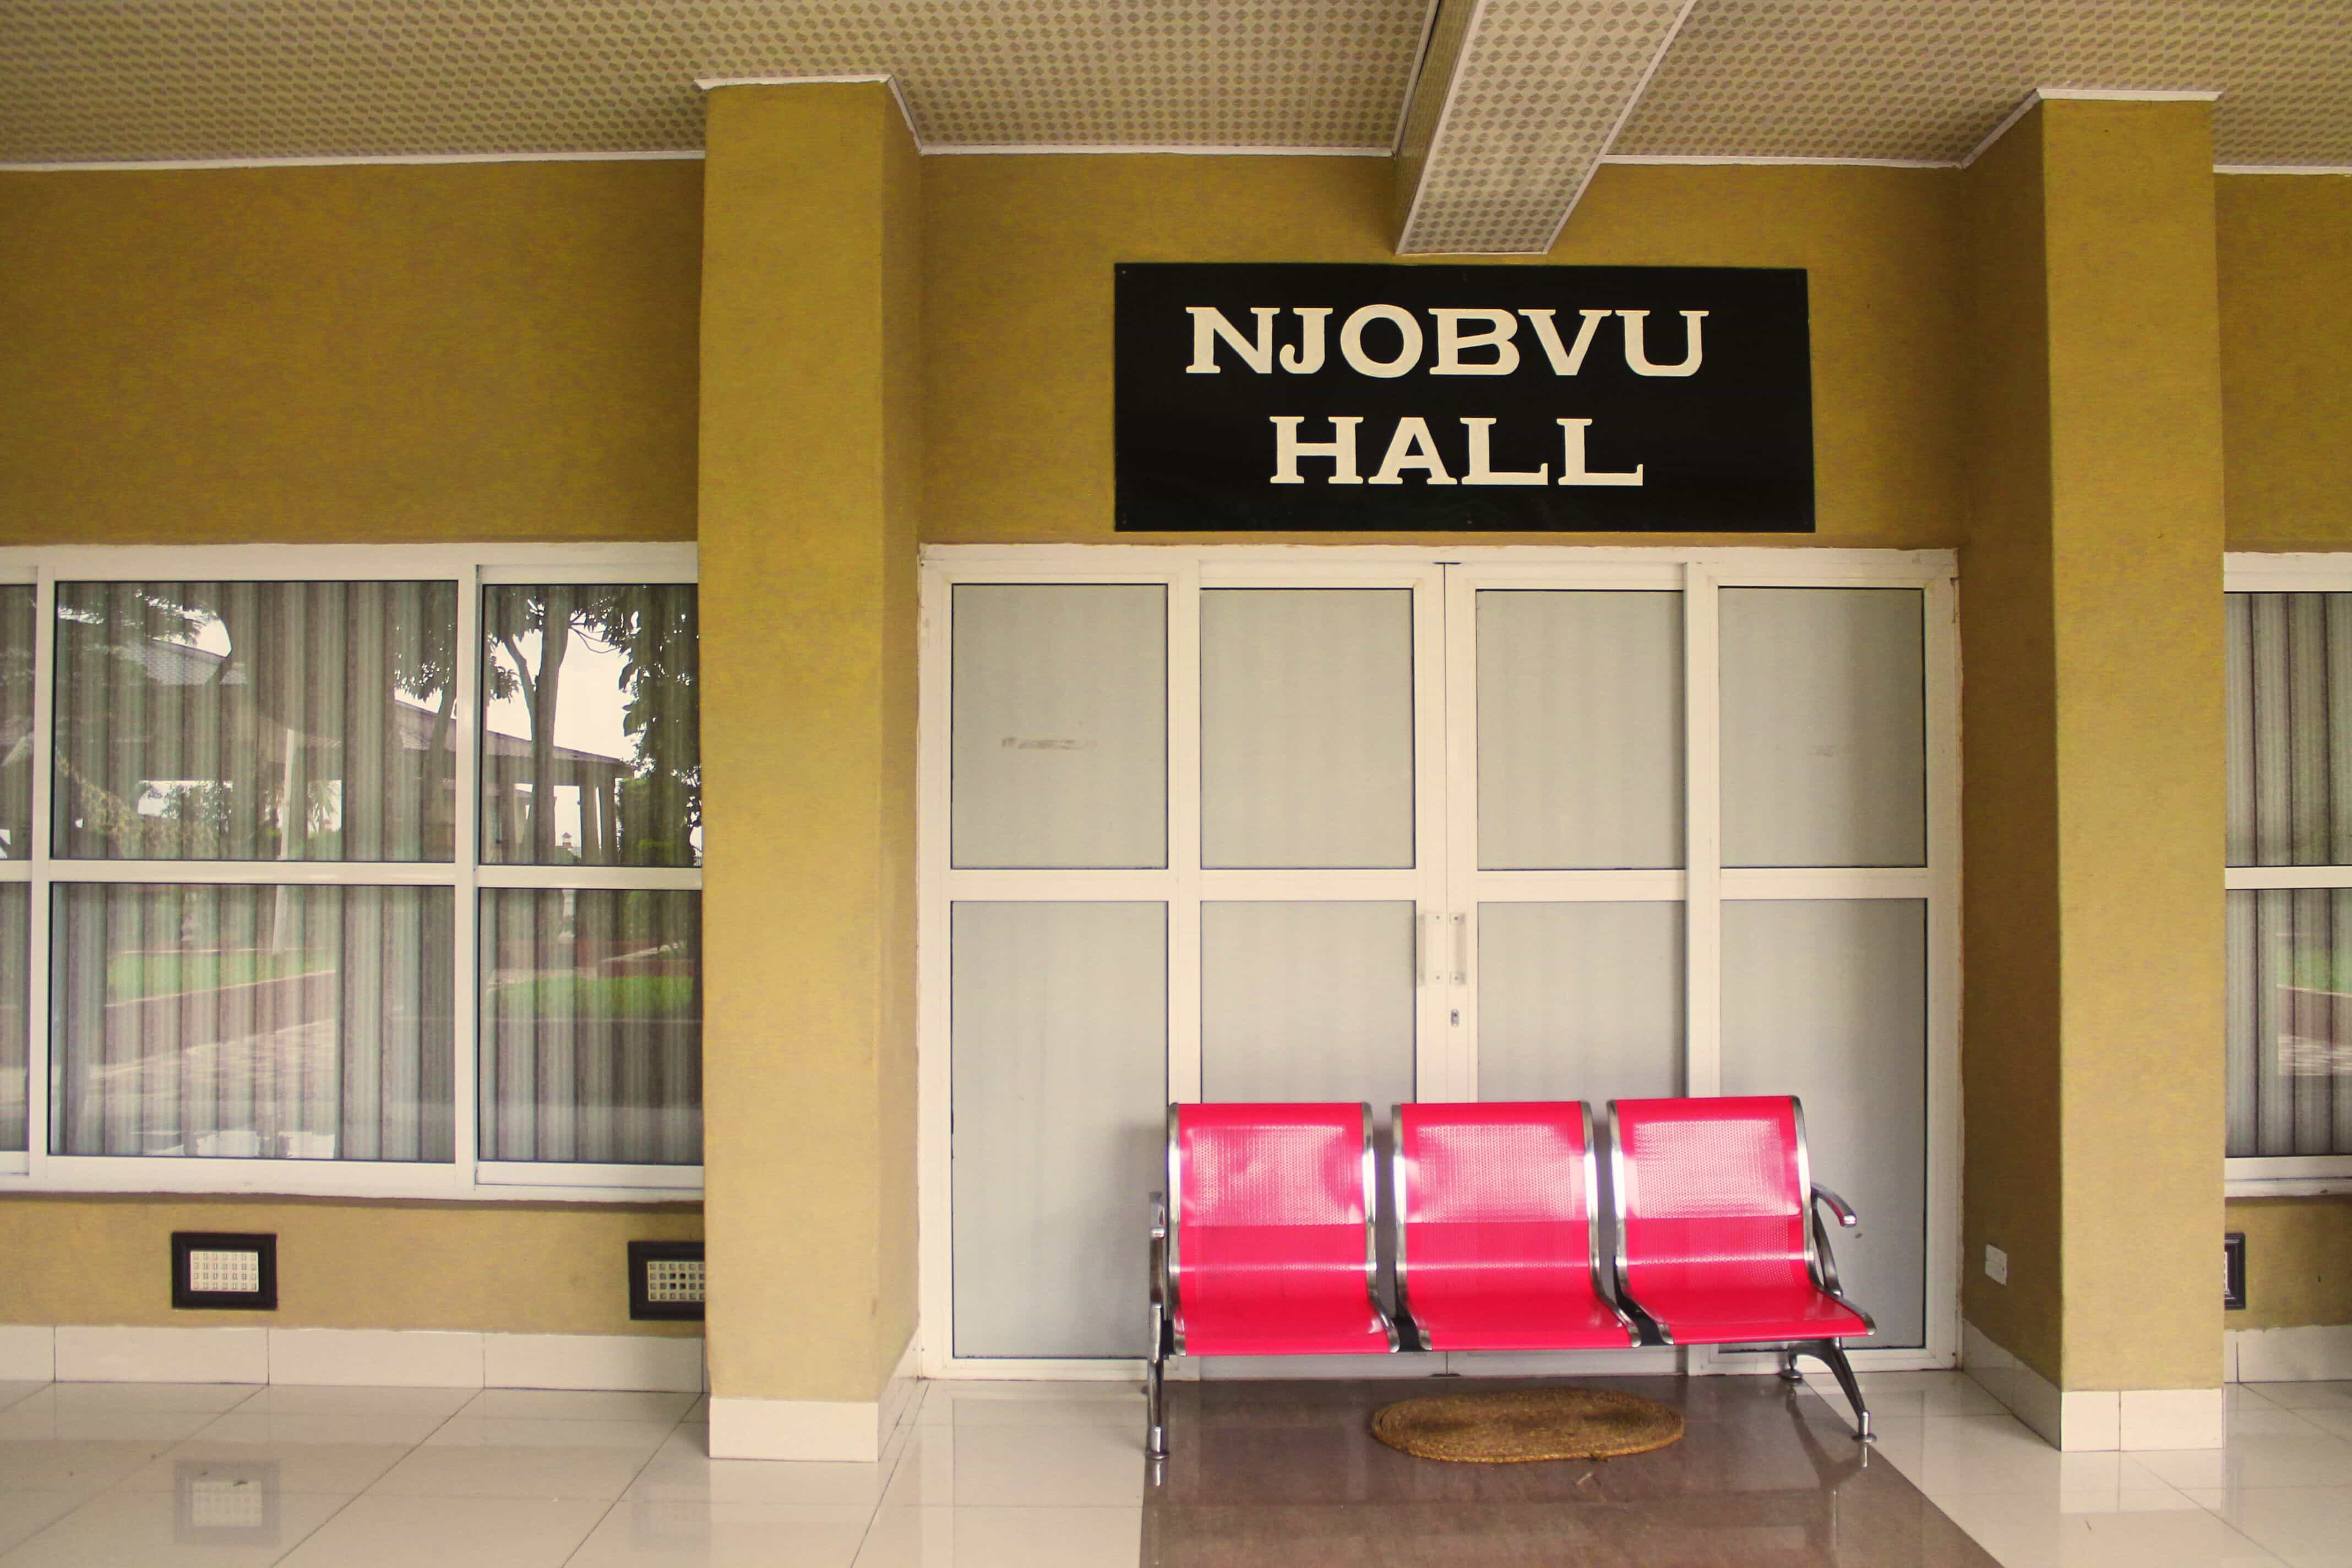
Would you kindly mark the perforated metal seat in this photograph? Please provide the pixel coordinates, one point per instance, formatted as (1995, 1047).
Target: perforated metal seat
(1497, 1245)
(1719, 1235)
(1265, 1246)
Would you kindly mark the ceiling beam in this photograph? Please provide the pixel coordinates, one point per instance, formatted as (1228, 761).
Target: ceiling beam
(1515, 105)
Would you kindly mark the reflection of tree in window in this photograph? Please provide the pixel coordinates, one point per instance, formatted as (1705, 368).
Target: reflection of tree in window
(255, 720)
(590, 749)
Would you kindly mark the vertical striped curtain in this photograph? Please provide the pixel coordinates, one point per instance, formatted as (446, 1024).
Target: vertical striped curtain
(591, 1025)
(2290, 950)
(255, 1022)
(255, 721)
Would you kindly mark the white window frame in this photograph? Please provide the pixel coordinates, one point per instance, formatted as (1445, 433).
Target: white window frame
(1703, 885)
(2287, 1175)
(472, 567)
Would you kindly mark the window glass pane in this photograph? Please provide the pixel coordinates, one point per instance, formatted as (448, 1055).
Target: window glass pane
(1579, 730)
(1827, 1000)
(1059, 1013)
(1307, 727)
(17, 608)
(15, 901)
(294, 1023)
(255, 721)
(591, 1025)
(1579, 1000)
(1824, 727)
(2290, 1022)
(1060, 693)
(2290, 726)
(588, 703)
(1308, 1000)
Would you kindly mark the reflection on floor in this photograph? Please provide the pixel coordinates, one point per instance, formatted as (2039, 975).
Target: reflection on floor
(1765, 1474)
(1053, 1476)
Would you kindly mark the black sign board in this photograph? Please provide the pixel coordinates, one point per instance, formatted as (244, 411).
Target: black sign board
(1620, 399)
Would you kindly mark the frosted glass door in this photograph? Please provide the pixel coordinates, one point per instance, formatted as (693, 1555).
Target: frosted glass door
(1308, 1000)
(1827, 1000)
(1579, 1000)
(1060, 1020)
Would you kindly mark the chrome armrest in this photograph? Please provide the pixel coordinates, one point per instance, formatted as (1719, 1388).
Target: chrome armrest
(1824, 1260)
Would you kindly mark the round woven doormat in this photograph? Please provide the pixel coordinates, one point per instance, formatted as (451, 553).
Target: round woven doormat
(1517, 1427)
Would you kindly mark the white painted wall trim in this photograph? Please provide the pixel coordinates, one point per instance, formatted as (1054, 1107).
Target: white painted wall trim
(399, 1358)
(2314, 1352)
(2093, 94)
(2086, 1420)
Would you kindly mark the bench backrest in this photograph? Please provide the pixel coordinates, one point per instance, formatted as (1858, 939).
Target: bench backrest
(1271, 1204)
(1709, 1191)
(1495, 1195)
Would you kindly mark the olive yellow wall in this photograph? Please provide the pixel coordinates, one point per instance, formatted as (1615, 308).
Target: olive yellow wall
(2286, 249)
(2010, 972)
(1019, 251)
(2286, 253)
(546, 1269)
(810, 474)
(2091, 632)
(2298, 1262)
(350, 354)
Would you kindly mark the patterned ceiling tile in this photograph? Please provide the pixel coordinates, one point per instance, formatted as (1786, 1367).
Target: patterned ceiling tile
(131, 79)
(1538, 89)
(1927, 79)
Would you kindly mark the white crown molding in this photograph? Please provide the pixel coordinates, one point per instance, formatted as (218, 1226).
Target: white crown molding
(1676, 160)
(887, 78)
(158, 165)
(2091, 94)
(1146, 149)
(2338, 169)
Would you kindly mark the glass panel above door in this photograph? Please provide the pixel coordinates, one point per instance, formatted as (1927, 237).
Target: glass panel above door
(1824, 727)
(1579, 731)
(1307, 752)
(1060, 747)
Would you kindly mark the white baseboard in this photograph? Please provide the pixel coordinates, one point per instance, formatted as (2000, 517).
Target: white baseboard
(2314, 1352)
(842, 1431)
(593, 1361)
(382, 1358)
(414, 1357)
(28, 1352)
(162, 1355)
(2083, 1420)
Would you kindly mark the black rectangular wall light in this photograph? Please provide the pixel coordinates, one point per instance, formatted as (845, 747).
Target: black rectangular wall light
(666, 1281)
(223, 1270)
(2234, 1271)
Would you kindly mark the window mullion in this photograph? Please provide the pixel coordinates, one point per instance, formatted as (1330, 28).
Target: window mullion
(1703, 821)
(465, 987)
(37, 1044)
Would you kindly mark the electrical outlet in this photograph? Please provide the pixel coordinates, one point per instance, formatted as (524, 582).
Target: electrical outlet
(1996, 1265)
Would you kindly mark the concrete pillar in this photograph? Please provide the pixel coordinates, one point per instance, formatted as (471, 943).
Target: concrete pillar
(810, 483)
(2091, 634)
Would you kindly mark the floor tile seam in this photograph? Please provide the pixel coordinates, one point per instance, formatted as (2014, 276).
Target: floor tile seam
(634, 1476)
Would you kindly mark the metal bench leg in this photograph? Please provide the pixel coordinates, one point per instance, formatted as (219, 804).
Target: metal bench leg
(1833, 1354)
(1789, 1372)
(1155, 1391)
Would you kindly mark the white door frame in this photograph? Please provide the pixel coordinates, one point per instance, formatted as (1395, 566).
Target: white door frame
(1442, 884)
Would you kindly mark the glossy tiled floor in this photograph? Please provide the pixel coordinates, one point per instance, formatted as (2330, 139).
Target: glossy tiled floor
(1029, 1476)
